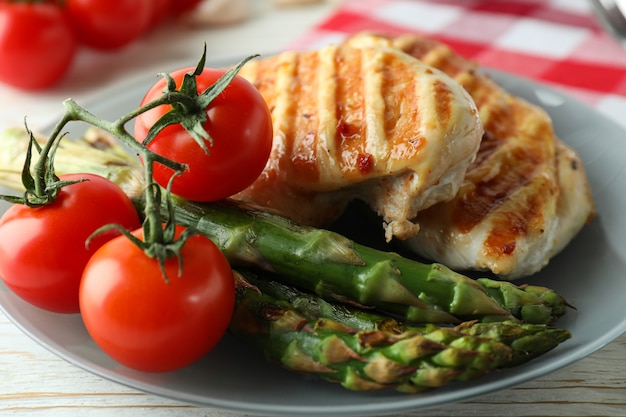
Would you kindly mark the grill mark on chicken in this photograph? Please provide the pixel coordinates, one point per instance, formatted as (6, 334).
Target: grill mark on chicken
(400, 106)
(488, 145)
(500, 171)
(351, 128)
(303, 150)
(406, 107)
(376, 139)
(325, 109)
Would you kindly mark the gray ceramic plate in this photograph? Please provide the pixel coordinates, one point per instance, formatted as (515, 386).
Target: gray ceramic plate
(590, 273)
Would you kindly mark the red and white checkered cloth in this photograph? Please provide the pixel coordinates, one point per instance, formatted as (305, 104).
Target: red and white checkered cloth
(557, 42)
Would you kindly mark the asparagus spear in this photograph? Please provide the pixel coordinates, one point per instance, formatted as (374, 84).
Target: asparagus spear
(365, 351)
(361, 360)
(335, 267)
(533, 303)
(527, 341)
(321, 261)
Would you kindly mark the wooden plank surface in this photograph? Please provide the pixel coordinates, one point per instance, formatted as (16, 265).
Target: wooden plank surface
(37, 383)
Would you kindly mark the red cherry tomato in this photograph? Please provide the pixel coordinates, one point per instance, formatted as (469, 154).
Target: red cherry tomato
(159, 13)
(240, 124)
(146, 323)
(37, 44)
(109, 25)
(42, 249)
(183, 6)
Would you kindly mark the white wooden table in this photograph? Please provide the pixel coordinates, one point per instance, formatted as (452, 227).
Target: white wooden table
(34, 382)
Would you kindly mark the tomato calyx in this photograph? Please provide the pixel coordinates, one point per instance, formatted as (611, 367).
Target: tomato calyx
(159, 234)
(41, 185)
(189, 106)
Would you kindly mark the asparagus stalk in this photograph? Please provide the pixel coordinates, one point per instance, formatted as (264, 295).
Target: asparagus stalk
(360, 349)
(527, 341)
(534, 303)
(361, 360)
(321, 261)
(335, 267)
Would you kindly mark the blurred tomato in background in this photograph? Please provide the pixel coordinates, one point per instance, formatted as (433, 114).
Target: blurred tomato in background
(108, 25)
(39, 39)
(37, 44)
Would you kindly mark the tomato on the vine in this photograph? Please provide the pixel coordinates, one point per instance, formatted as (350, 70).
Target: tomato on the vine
(37, 44)
(42, 249)
(238, 121)
(109, 25)
(150, 323)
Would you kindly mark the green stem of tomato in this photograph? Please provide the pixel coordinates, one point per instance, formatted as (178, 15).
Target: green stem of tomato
(153, 231)
(117, 128)
(40, 167)
(169, 98)
(153, 224)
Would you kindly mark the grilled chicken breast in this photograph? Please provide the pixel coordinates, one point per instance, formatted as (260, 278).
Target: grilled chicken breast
(369, 122)
(524, 197)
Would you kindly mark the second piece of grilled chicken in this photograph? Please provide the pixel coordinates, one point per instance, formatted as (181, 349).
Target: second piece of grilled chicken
(525, 196)
(370, 123)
